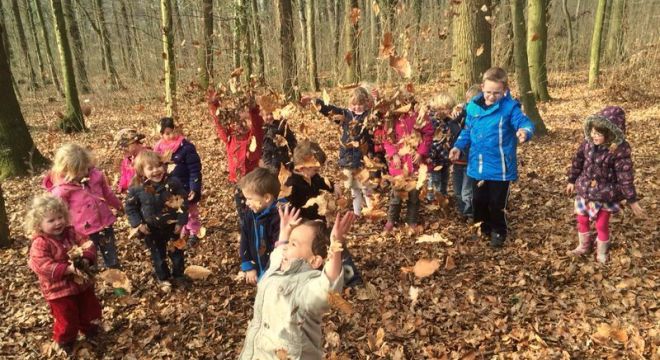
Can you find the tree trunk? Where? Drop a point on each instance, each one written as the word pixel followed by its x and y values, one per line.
pixel 335 45
pixel 168 57
pixel 32 80
pixel 287 56
pixel 205 55
pixel 5 239
pixel 351 44
pixel 76 40
pixel 569 31
pixel 471 45
pixel 132 54
pixel 614 47
pixel 374 36
pixel 73 119
pixel 312 74
pixel 4 41
pixel 122 44
pixel 537 44
pixel 246 38
pixel 236 35
pixel 49 52
pixel 33 31
pixel 258 41
pixel 303 30
pixel 18 155
pixel 137 43
pixel 594 61
pixel 107 49
pixel 522 68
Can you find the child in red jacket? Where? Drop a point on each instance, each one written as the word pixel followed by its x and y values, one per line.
pixel 68 290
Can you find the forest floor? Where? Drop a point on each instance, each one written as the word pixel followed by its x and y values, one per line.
pixel 528 300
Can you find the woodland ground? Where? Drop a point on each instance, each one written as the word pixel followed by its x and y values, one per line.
pixel 528 300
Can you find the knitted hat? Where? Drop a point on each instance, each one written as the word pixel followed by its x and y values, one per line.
pixel 126 137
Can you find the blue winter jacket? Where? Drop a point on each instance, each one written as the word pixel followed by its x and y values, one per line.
pixel 259 234
pixel 490 134
pixel 188 168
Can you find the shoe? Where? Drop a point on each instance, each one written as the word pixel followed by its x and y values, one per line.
pixel 181 282
pixel 193 240
pixel 496 240
pixel 389 226
pixel 68 348
pixel 584 245
pixel 165 286
pixel 601 251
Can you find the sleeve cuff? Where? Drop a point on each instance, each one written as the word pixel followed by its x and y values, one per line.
pixel 247 266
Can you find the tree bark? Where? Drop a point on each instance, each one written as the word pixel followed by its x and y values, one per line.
pixel 107 49
pixel 5 239
pixel 471 45
pixel 246 38
pixel 312 74
pixel 614 46
pixel 303 31
pixel 205 56
pixel 73 119
pixel 287 56
pixel 33 31
pixel 137 43
pixel 258 41
pixel 351 44
pixel 537 44
pixel 18 154
pixel 122 44
pixel 594 61
pixel 168 57
pixel 335 45
pixel 132 54
pixel 236 35
pixel 569 32
pixel 4 41
pixel 522 68
pixel 76 40
pixel 32 76
pixel 49 52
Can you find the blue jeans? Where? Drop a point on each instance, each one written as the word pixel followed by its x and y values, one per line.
pixel 104 241
pixel 157 243
pixel 463 189
pixel 437 183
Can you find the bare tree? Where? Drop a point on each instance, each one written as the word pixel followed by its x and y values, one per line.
pixel 107 49
pixel 594 60
pixel 287 57
pixel 32 80
pixel 537 44
pixel 312 74
pixel 76 40
pixel 205 55
pixel 168 57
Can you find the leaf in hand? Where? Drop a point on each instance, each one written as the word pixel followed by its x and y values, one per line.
pixel 174 202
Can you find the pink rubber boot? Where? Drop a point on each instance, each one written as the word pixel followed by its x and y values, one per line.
pixel 601 251
pixel 584 245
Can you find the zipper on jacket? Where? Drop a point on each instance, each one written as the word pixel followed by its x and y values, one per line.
pixel 481 163
pixel 501 135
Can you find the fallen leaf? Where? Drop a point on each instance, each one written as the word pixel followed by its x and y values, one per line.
pixel 401 66
pixel 337 302
pixel 425 267
pixel 197 272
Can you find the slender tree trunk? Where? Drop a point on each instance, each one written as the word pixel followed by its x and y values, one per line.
pixel 522 68
pixel 312 74
pixel 107 49
pixel 246 38
pixel 258 41
pixel 40 60
pixel 76 40
pixel 49 52
pixel 594 62
pixel 32 80
pixel 122 44
pixel 471 45
pixel 614 47
pixel 537 43
pixel 168 57
pixel 137 43
pixel 287 57
pixel 73 119
pixel 303 30
pixel 18 155
pixel 236 34
pixel 205 55
pixel 569 32
pixel 4 41
pixel 335 45
pixel 351 44
pixel 5 239
pixel 130 50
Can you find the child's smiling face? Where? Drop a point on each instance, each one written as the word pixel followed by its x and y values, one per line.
pixel 493 91
pixel 597 137
pixel 53 224
pixel 154 172
pixel 299 246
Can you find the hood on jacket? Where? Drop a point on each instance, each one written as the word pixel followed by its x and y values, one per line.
pixel 613 124
pixel 615 115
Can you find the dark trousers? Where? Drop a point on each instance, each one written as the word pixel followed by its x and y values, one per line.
pixel 352 276
pixel 488 203
pixel 104 241
pixel 241 206
pixel 157 244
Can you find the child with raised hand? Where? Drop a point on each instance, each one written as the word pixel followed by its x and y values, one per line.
pixel 68 291
pixel 157 209
pixel 356 141
pixel 180 152
pixel 74 179
pixel 445 131
pixel 130 142
pixel 261 224
pixel 279 142
pixel 493 127
pixel 292 295
pixel 404 131
pixel 601 175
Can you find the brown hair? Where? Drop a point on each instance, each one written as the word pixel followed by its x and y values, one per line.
pixel 472 91
pixel 360 96
pixel 496 74
pixel 602 127
pixel 260 181
pixel 321 240
pixel 146 157
pixel 307 149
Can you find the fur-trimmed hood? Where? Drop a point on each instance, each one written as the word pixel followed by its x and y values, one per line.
pixel 612 118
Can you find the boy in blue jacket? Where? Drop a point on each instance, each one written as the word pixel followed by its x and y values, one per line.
pixel 261 225
pixel 494 121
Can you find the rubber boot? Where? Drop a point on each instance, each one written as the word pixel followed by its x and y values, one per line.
pixel 601 251
pixel 584 245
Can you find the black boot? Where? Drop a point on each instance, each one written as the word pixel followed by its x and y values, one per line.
pixel 497 240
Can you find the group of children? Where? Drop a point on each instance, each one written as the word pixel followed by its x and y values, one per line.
pixel 284 242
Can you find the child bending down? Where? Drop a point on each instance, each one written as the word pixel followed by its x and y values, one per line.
pixel 70 294
pixel 292 296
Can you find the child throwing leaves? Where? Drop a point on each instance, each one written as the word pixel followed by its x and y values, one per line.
pixel 157 209
pixel 74 179
pixel 180 152
pixel 292 296
pixel 445 131
pixel 279 142
pixel 130 142
pixel 62 278
pixel 601 175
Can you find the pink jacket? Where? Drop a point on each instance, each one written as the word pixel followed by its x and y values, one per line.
pixel 89 203
pixel 403 127
pixel 49 260
pixel 126 173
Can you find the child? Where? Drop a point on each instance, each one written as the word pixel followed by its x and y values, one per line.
pixel 463 184
pixel 355 142
pixel 404 130
pixel 130 142
pixel 293 294
pixel 445 130
pixel 157 208
pixel 279 142
pixel 69 293
pixel 84 189
pixel 261 225
pixel 602 176
pixel 494 121
pixel 176 149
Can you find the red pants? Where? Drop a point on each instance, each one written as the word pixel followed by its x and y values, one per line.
pixel 75 313
pixel 602 225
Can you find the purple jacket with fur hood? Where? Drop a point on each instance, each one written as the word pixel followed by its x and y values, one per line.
pixel 604 172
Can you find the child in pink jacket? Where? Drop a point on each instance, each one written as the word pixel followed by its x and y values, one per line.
pixel 84 189
pixel 406 146
pixel 130 141
pixel 69 292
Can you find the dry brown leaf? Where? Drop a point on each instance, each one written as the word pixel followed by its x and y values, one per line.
pixel 337 302
pixel 355 16
pixel 480 50
pixel 174 202
pixel 117 279
pixel 425 267
pixel 253 144
pixel 449 263
pixel 401 66
pixel 197 272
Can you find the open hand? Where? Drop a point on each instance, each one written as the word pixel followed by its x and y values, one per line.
pixel 251 277
pixel 454 154
pixel 289 217
pixel 570 188
pixel 342 226
pixel 416 158
pixel 143 228
pixel 522 135
pixel 636 209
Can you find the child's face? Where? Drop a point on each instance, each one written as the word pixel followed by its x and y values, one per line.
pixel 133 148
pixel 442 112
pixel 168 134
pixel 597 137
pixel 299 246
pixel 309 171
pixel 53 224
pixel 357 107
pixel 154 172
pixel 257 202
pixel 267 116
pixel 493 91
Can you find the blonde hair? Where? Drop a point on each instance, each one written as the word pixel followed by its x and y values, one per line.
pixel 71 161
pixel 146 157
pixel 472 91
pixel 496 74
pixel 443 101
pixel 41 206
pixel 360 96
